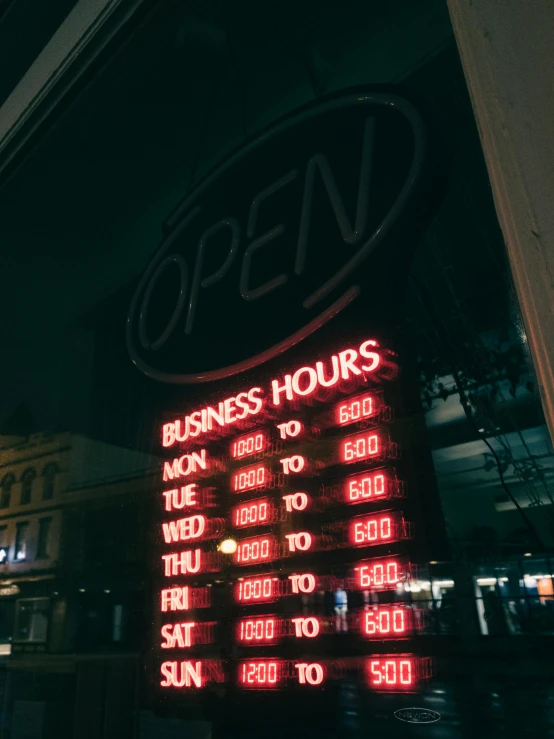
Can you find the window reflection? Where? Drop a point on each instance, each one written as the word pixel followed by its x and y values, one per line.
pixel 21 541
pixel 49 479
pixel 31 619
pixel 27 479
pixel 5 495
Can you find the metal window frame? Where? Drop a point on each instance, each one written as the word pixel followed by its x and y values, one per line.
pixel 80 43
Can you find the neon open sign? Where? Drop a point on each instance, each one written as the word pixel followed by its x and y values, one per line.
pixel 217 250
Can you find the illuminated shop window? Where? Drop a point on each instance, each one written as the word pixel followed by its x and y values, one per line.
pixel 27 479
pixel 31 619
pixel 4 545
pixel 117 623
pixel 21 541
pixel 341 610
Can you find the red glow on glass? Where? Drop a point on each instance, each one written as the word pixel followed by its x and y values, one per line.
pixel 374 529
pixel 366 486
pixel 360 446
pixel 356 409
pixel 256 549
pixel 391 673
pixel 256 589
pixel 253 513
pixel 244 446
pixel 378 574
pixel 249 478
pixel 257 630
pixel 263 673
pixel 385 621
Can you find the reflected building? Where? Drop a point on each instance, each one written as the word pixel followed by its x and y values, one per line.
pixel 72 577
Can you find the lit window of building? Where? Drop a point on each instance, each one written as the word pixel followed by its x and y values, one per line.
pixel 21 541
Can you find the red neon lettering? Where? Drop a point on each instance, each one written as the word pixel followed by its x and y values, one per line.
pixel 310 383
pixel 249 478
pixel 391 672
pixel 302 583
pixel 256 549
pixel 185 465
pixel 248 444
pixel 180 497
pixel 168 434
pixel 177 635
pixel 384 622
pixel 258 403
pixel 290 428
pixel 175 599
pixel 255 630
pixel 293 464
pixel 301 541
pixel 306 379
pixel 360 446
pixel 373 529
pixel 323 381
pixel 277 390
pixel 306 627
pixel 365 486
pixel 260 674
pixel 373 357
pixel 256 589
pixel 182 563
pixel 383 574
pixel 309 673
pixel 181 674
pixel 296 501
pixel 186 528
pixel 346 360
pixel 355 409
pixel 252 513
pixel 230 409
pixel 227 412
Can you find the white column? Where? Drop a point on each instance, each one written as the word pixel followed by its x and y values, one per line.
pixel 507 52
